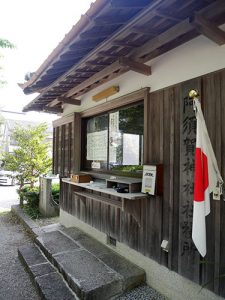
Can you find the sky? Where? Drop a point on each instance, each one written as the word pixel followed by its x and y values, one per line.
pixel 36 28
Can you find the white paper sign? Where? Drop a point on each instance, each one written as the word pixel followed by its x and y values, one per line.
pixel 114 136
pixel 97 145
pixel 114 121
pixel 148 181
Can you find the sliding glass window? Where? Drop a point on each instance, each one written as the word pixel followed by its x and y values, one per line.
pixel 114 140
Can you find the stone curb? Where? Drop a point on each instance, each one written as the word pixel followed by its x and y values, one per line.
pixel 30 225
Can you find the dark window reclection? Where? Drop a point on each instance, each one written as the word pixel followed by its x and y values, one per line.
pixel 114 140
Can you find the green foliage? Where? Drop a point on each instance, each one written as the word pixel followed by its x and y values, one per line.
pixel 55 192
pixel 30 159
pixel 33 212
pixel 128 168
pixel 6 44
pixel 31 196
pixel 131 120
pixel 129 171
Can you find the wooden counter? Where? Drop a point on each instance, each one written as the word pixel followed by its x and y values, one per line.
pixel 102 187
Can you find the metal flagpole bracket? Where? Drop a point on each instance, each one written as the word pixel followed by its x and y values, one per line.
pixel 194 95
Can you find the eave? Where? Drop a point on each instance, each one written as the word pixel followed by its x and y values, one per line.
pixel 131 46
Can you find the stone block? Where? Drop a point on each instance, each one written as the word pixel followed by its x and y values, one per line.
pixel 55 242
pixel 42 269
pixel 89 277
pixel 52 287
pixel 31 255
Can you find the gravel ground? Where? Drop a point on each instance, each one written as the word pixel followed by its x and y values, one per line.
pixel 142 292
pixel 15 283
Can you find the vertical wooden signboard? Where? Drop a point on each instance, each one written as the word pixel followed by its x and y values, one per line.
pixel 188 264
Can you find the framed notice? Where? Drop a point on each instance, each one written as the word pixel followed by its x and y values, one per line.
pixel 149 180
pixel 97 145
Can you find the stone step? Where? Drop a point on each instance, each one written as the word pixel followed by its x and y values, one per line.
pixel 91 269
pixel 50 284
pixel 131 274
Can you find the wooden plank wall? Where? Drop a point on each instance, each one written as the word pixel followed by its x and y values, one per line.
pixel 162 216
pixel 66 142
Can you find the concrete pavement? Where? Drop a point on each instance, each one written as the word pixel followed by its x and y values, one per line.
pixel 8 197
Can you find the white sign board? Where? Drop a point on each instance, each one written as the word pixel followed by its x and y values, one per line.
pixel 149 179
pixel 97 145
pixel 113 136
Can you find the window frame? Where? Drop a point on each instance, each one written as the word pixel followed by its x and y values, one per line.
pixel 135 98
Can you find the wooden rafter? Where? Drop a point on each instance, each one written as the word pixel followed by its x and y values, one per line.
pixel 168 16
pixel 108 54
pixel 84 71
pixel 125 44
pixel 70 56
pixel 53 109
pixel 94 35
pixel 52 73
pixel 100 82
pixel 97 77
pixel 209 29
pixel 128 4
pixel 78 46
pixel 143 30
pixel 52 94
pixel 61 64
pixel 71 101
pixel 124 64
pixel 78 77
pixel 53 103
pixel 213 9
pixel 93 63
pixel 165 37
pixel 110 20
pixel 135 66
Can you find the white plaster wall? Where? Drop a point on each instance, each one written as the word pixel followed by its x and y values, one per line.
pixel 168 283
pixel 195 58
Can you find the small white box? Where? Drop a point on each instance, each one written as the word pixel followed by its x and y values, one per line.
pixel 149 179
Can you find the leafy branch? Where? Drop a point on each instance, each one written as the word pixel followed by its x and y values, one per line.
pixel 6 44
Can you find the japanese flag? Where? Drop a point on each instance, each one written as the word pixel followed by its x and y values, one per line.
pixel 206 178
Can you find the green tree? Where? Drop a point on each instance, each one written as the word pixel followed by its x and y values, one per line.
pixel 4 44
pixel 30 159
